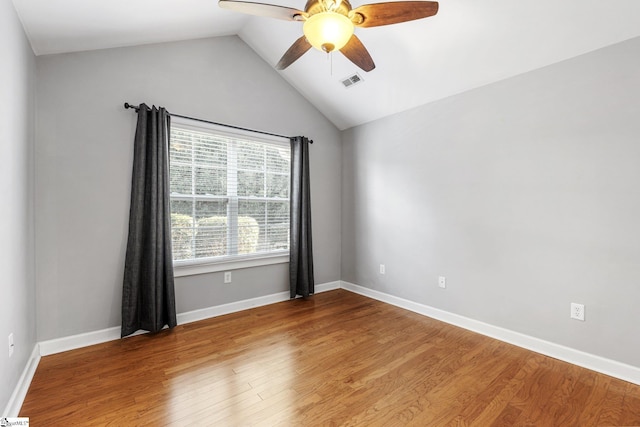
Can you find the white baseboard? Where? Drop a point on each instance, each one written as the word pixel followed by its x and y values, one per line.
pixel 20 392
pixel 73 342
pixel 586 360
pixel 329 286
pixel 219 310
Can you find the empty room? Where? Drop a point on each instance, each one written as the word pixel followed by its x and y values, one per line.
pixel 232 213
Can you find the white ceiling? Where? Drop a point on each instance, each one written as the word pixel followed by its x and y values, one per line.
pixel 469 43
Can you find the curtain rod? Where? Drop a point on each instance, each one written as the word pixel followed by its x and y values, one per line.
pixel 137 108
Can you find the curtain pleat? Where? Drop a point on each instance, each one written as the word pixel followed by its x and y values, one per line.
pixel 301 280
pixel 148 295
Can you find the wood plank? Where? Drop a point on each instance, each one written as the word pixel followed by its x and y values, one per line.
pixel 334 359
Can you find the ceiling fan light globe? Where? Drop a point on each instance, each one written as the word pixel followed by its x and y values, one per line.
pixel 328 30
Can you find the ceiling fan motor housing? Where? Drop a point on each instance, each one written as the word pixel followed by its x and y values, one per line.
pixel 316 6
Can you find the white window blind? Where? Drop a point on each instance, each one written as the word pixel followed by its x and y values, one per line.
pixel 229 194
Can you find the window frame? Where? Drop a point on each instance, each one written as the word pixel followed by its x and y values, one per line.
pixel 229 262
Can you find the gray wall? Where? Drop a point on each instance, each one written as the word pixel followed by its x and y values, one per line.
pixel 17 291
pixel 524 194
pixel 84 156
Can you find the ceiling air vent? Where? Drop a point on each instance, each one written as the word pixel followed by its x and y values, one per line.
pixel 352 80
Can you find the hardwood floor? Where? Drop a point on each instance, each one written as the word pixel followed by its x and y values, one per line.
pixel 337 359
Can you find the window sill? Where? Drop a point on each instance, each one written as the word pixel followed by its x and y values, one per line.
pixel 181 269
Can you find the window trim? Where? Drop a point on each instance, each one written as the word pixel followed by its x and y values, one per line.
pixel 182 268
pixel 210 265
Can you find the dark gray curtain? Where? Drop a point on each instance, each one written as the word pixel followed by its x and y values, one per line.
pixel 148 298
pixel 301 250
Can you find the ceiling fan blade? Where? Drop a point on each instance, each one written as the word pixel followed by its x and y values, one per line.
pixel 263 9
pixel 297 49
pixel 377 14
pixel 355 51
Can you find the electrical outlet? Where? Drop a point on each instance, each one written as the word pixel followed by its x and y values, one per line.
pixel 577 311
pixel 227 277
pixel 11 345
pixel 442 281
pixel 382 269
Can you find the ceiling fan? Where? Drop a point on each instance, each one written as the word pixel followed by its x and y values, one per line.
pixel 329 24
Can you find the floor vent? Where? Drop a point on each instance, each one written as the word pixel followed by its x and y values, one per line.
pixel 352 80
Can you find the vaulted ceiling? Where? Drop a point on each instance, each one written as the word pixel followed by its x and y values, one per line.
pixel 469 43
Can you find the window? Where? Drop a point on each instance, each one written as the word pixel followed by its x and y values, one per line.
pixel 229 194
